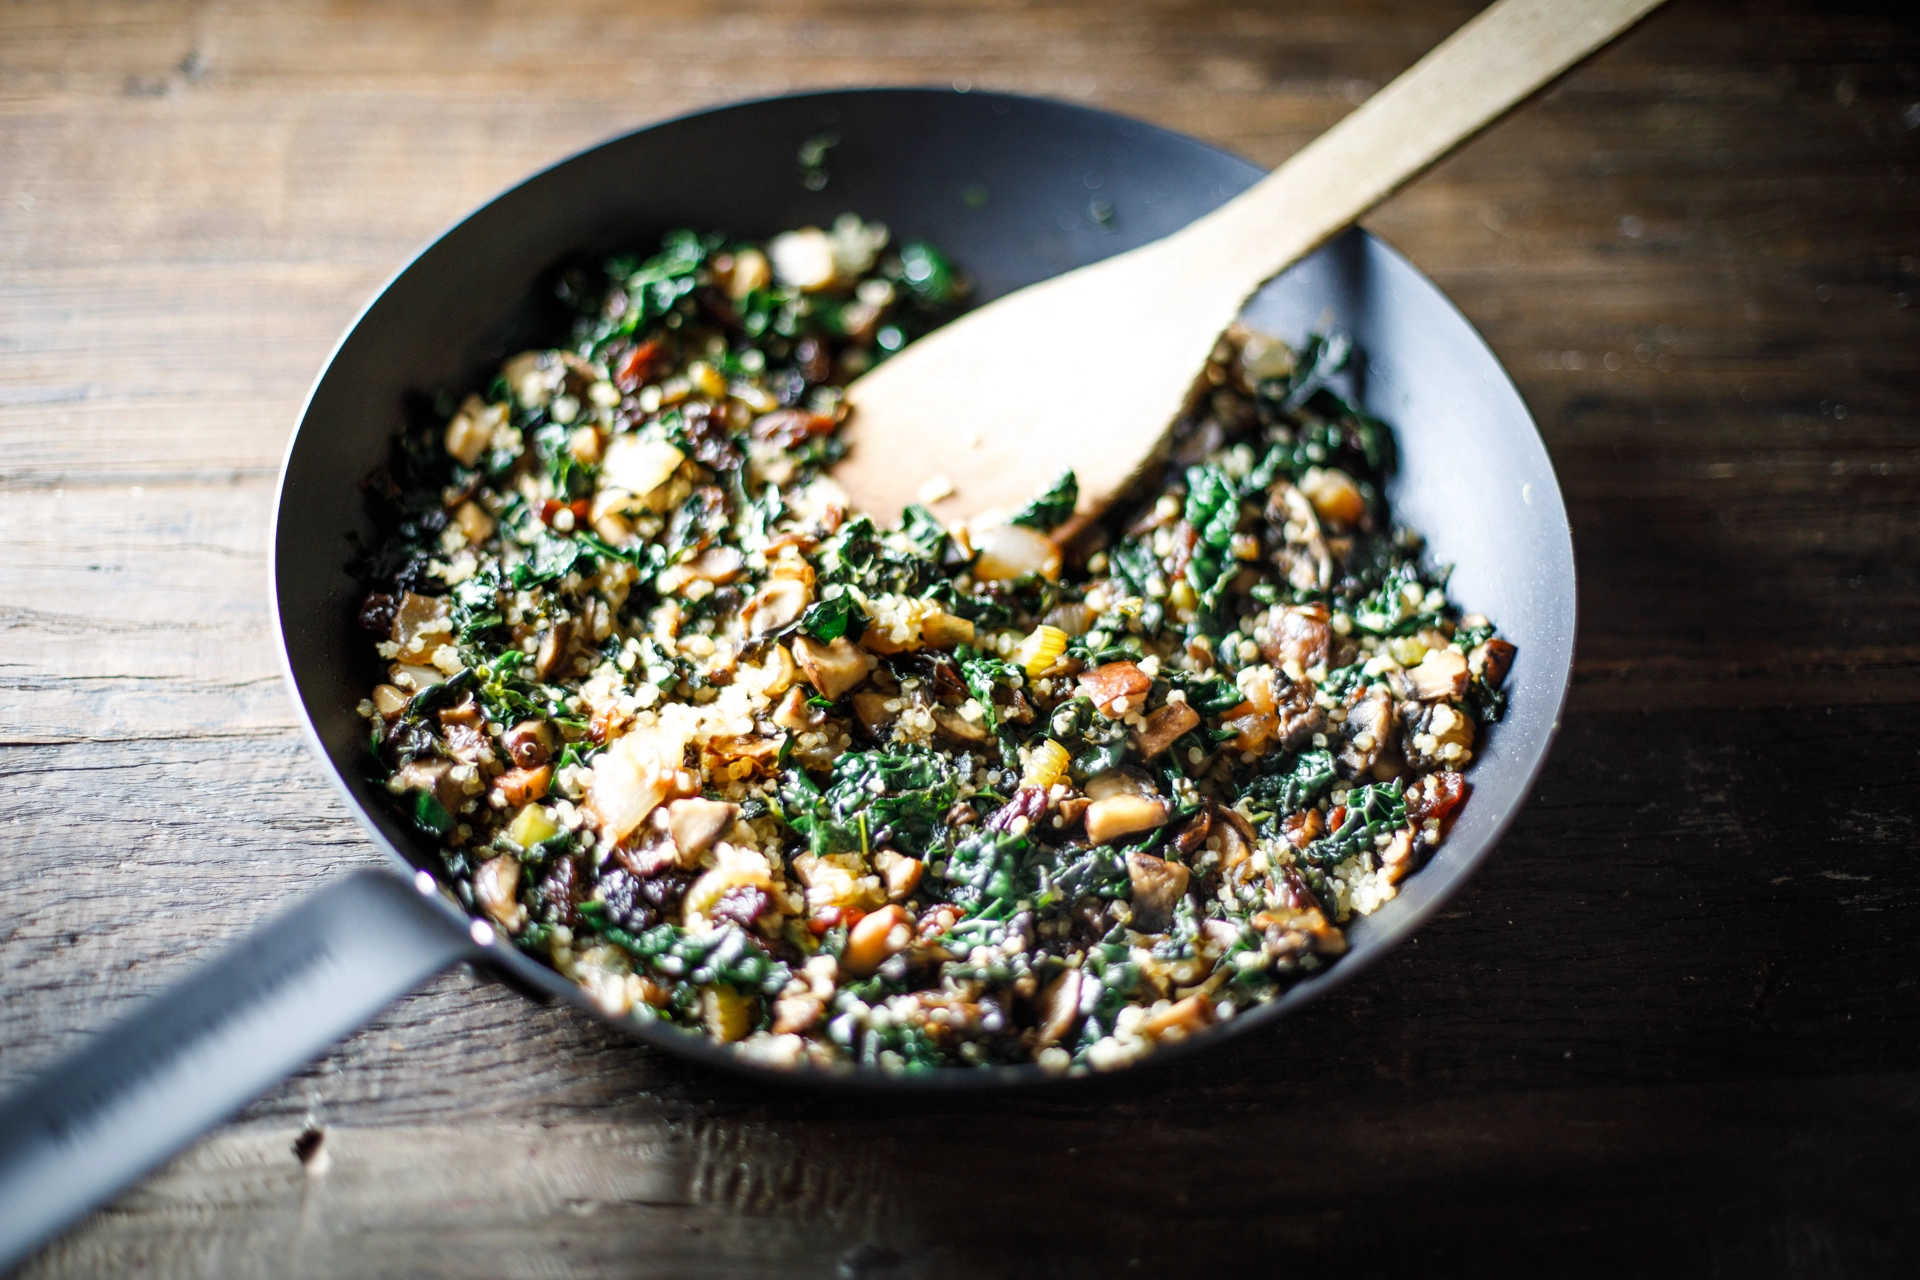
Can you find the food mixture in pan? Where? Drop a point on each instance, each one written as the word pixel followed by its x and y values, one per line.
pixel 733 757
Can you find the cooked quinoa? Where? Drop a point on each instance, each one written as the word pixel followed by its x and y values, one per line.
pixel 1033 789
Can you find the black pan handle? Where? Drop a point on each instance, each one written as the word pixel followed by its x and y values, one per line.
pixel 135 1093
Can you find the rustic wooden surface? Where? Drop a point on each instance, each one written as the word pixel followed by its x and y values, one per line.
pixel 1674 1026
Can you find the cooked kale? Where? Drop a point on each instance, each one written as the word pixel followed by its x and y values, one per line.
pixel 738 759
pixel 1053 507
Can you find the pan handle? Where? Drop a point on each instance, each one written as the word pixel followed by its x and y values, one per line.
pixel 93 1122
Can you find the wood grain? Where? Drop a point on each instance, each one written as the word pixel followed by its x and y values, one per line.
pixel 1673 1028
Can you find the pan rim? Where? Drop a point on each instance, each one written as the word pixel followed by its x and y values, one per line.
pixel 545 984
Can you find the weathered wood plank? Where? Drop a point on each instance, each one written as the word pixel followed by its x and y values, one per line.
pixel 819 1197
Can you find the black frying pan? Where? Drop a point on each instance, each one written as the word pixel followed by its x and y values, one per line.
pixel 1016 190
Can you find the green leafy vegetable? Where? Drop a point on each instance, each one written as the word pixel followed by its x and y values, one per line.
pixel 1052 508
pixel 985 867
pixel 1372 811
pixel 1296 784
pixel 1213 510
pixel 828 620
pixel 904 794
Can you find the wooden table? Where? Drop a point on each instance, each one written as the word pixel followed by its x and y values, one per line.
pixel 1674 1026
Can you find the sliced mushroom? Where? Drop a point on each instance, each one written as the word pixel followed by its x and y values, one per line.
pixel 879 935
pixel 957 727
pixel 1294 931
pixel 1124 814
pixel 796 712
pixel 1236 837
pixel 1116 687
pixel 1059 1008
pixel 942 630
pixel 1441 674
pixel 1491 661
pixel 553 649
pixel 531 742
pixel 1334 495
pixel 833 669
pixel 495 882
pixel 1299 717
pixel 420 625
pixel 1192 836
pixel 1369 726
pixel 1304 556
pixel 1179 1019
pixel 870 709
pixel 697 823
pixel 520 786
pixel 435 776
pixel 738 756
pixel 1164 727
pixel 1300 634
pixel 900 873
pixel 778 605
pixel 1158 885
pixel 718 565
pixel 1303 828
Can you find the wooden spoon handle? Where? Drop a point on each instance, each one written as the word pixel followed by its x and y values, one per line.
pixel 1508 51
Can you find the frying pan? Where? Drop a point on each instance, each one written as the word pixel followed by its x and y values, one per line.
pixel 1015 189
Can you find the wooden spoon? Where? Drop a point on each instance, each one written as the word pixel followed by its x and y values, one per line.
pixel 1089 369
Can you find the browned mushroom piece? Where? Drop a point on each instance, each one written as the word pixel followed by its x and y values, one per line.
pixel 1193 834
pixel 1178 1020
pixel 1059 1008
pixel 900 873
pixel 1116 687
pixel 1163 727
pixel 416 618
pixel 435 776
pixel 1437 733
pixel 1299 717
pixel 954 726
pixel 1303 828
pixel 652 853
pixel 739 755
pixel 1304 556
pixel 554 647
pixel 1441 674
pixel 531 742
pixel 697 823
pixel 1123 805
pixel 521 785
pixel 1367 731
pixel 466 711
pixel 833 669
pixel 870 709
pixel 495 883
pixel 796 712
pixel 1491 661
pixel 1158 886
pixel 1298 633
pixel 468 744
pixel 778 605
pixel 1299 931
